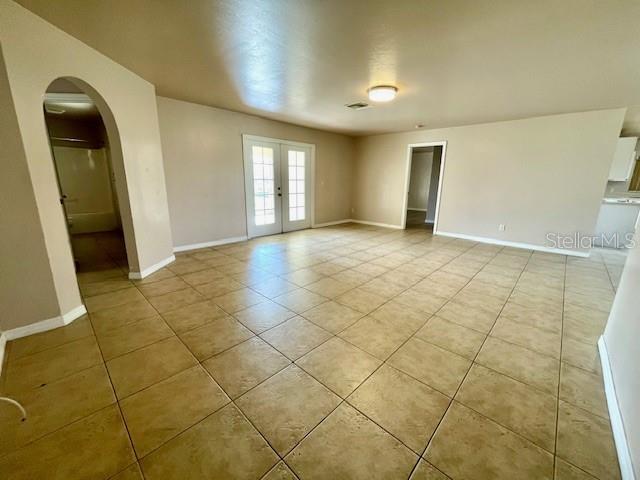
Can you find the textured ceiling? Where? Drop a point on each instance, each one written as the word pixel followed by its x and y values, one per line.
pixel 456 62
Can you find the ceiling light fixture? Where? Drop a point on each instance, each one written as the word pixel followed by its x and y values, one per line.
pixel 382 93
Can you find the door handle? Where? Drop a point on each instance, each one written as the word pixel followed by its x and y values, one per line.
pixel 279 194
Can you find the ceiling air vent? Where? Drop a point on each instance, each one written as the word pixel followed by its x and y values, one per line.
pixel 358 105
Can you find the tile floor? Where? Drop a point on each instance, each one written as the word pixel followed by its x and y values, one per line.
pixel 344 352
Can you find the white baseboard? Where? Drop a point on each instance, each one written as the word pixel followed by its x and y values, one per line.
pixel 213 243
pixel 417 209
pixel 153 268
pixel 615 416
pixel 377 224
pixel 328 224
pixel 44 325
pixel 505 243
pixel 3 343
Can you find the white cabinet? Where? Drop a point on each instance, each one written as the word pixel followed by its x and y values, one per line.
pixel 623 160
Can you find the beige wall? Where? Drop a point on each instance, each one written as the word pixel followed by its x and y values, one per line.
pixel 621 337
pixel 26 287
pixel 35 54
pixel 538 175
pixel 202 150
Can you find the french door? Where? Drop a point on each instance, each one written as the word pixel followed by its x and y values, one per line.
pixel 277 186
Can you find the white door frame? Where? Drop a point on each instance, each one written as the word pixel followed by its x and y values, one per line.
pixel 312 191
pixel 405 202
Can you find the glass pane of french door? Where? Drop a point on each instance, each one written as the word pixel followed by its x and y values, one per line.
pixel 296 162
pixel 262 185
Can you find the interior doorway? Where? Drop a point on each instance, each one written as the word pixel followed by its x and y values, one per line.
pixel 86 181
pixel 425 167
pixel 278 185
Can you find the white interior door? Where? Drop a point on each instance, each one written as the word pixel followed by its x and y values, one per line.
pixel 262 187
pixel 296 186
pixel 278 185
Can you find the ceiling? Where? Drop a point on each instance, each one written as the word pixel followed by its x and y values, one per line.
pixel 455 62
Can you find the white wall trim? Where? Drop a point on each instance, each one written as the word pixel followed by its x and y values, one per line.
pixel 213 243
pixel 378 224
pixel 505 243
pixel 615 416
pixel 45 325
pixel 407 180
pixel 3 343
pixel 328 224
pixel 153 268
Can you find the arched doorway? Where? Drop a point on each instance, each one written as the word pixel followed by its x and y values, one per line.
pixel 86 151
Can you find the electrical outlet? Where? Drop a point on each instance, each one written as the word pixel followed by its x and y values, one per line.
pixel 502 227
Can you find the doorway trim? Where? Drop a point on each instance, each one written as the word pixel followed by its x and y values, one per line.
pixel 407 180
pixel 312 193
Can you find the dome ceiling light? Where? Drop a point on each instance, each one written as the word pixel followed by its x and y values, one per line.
pixel 382 93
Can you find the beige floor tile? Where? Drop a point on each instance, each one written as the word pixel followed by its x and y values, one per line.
pixel 100 275
pixel 192 316
pixel 452 337
pixel 160 412
pixel 79 328
pixel 382 288
pixel 112 299
pixel 280 472
pixel 295 337
pixel 174 300
pixel 132 472
pixel 329 287
pixel 541 341
pixel 105 286
pixel 586 441
pixel 536 302
pixel 328 268
pixel 252 276
pixel 244 366
pixel 512 404
pixel 361 300
pixel 139 369
pixel 474 318
pixel 491 289
pixel 54 406
pixel 598 302
pixel 468 445
pixel 223 445
pixel 95 447
pixel 349 445
pixel 376 336
pixel 299 300
pixel 339 365
pixel 370 269
pixel 187 265
pixel 239 300
pixel 432 365
pixel 352 278
pixel 303 277
pixel 566 471
pixel 263 316
pixel 215 337
pixel 426 471
pixel 406 408
pixel 273 287
pixel 44 367
pixel 133 336
pixel 529 367
pixel 287 406
pixel 533 317
pixel 583 389
pixel 402 316
pixel 580 354
pixel 332 316
pixel 203 276
pixel 119 316
pixel 429 286
pixel 163 286
pixel 219 286
pixel 583 329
